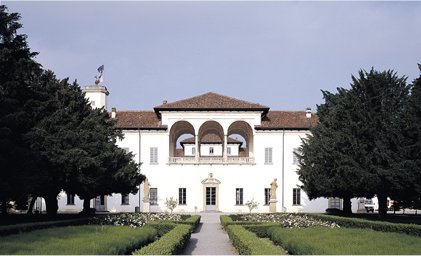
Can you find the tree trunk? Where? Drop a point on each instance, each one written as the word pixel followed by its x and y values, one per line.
pixel 4 207
pixel 382 199
pixel 31 205
pixel 347 209
pixel 51 205
pixel 86 205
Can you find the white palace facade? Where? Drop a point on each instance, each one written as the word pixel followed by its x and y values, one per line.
pixel 210 153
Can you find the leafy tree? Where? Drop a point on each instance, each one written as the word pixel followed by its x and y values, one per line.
pixel 251 204
pixel 171 203
pixel 326 158
pixel 18 71
pixel 354 151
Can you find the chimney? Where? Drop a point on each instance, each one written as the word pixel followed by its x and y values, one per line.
pixel 113 113
pixel 164 102
pixel 308 112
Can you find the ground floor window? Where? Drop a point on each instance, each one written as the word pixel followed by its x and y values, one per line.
pixel 124 199
pixel 153 196
pixel 70 199
pixel 296 196
pixel 335 202
pixel 182 196
pixel 239 196
pixel 267 196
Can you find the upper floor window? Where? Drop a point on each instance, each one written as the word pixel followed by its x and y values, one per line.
pixel 154 155
pixel 211 151
pixel 228 151
pixel 153 196
pixel 71 199
pixel 125 199
pixel 268 155
pixel 296 196
pixel 193 151
pixel 126 149
pixel 294 156
pixel 93 103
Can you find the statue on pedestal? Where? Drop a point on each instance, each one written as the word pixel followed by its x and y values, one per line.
pixel 146 188
pixel 273 187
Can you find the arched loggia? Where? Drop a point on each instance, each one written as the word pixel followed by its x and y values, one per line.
pixel 178 130
pixel 244 130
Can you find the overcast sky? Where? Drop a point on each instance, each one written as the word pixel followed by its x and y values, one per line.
pixel 279 54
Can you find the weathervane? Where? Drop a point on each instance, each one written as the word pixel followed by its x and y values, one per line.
pixel 99 78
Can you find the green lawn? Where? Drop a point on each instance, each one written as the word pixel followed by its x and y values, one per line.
pixel 78 240
pixel 320 240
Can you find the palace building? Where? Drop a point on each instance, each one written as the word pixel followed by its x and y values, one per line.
pixel 210 153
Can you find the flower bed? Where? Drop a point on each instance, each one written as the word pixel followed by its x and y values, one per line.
pixel 134 219
pixel 285 220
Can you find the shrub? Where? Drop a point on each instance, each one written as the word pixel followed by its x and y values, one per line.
pixel 410 229
pixel 228 220
pixel 252 204
pixel 172 242
pixel 133 219
pixel 193 221
pixel 161 227
pixel 25 227
pixel 248 243
pixel 171 203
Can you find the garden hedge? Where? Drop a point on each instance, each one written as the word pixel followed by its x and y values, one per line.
pixel 170 243
pixel 246 242
pixel 410 229
pixel 25 227
pixel 227 220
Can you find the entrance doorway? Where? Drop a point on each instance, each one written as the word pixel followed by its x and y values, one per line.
pixel 210 193
pixel 210 199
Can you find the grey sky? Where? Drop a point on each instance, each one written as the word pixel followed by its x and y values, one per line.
pixel 280 54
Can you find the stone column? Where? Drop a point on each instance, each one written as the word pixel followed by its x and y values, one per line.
pixel 225 147
pixel 196 144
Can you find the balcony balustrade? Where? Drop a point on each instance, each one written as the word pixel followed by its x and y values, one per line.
pixel 211 160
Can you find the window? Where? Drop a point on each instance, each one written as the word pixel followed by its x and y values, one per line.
pixel 296 196
pixel 126 149
pixel 125 199
pixel 193 151
pixel 294 156
pixel 211 151
pixel 182 196
pixel 239 196
pixel 335 202
pixel 268 155
pixel 154 156
pixel 228 151
pixel 70 199
pixel 267 196
pixel 153 193
pixel 93 103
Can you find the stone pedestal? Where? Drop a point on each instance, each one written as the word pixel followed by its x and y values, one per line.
pixel 146 207
pixel 272 205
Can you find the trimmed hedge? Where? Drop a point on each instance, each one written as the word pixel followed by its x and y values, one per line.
pixel 410 229
pixel 246 242
pixel 261 230
pixel 193 221
pixel 172 242
pixel 227 220
pixel 161 227
pixel 25 227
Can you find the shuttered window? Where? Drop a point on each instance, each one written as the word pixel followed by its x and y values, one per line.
pixel 268 155
pixel 154 155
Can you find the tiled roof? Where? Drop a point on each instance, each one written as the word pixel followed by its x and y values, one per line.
pixel 287 120
pixel 209 138
pixel 138 120
pixel 272 121
pixel 211 101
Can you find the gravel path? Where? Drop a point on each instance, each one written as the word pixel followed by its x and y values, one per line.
pixel 209 238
